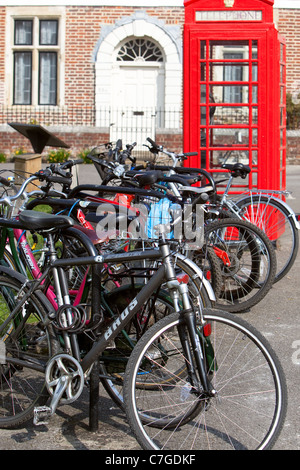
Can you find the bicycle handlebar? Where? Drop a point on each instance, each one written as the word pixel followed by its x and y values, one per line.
pixel 4 181
pixel 53 174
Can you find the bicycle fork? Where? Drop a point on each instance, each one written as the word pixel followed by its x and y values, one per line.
pixel 189 337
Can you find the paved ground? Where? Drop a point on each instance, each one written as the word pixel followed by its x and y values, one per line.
pixel 276 317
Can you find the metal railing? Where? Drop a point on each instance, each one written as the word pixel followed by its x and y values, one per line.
pixel 73 115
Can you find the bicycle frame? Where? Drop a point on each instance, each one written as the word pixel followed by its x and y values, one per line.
pixel 163 274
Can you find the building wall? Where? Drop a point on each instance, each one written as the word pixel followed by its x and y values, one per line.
pixel 288 21
pixel 83 28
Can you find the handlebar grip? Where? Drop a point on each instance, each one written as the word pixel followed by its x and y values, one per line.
pixel 77 162
pixel 59 179
pixel 154 144
pixel 71 163
pixel 4 181
pixel 119 144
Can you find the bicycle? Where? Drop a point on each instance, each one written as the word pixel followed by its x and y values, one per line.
pixel 63 375
pixel 112 365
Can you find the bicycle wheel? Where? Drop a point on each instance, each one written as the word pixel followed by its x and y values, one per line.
pixel 27 342
pixel 248 409
pixel 248 262
pixel 270 215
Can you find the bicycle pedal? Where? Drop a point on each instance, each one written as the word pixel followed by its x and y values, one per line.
pixel 41 415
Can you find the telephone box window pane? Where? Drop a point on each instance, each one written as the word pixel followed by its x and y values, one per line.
pixel 281 157
pixel 254 115
pixel 22 77
pixel 202 72
pixel 48 78
pixel 230 115
pixel 229 72
pixel 282 115
pixel 48 32
pixel 254 73
pixel 220 137
pixel 254 157
pixel 218 49
pixel 23 32
pixel 202 50
pixel 254 137
pixel 203 94
pixel 254 94
pixel 218 158
pixel 235 156
pixel 282 70
pixel 254 177
pixel 254 49
pixel 230 93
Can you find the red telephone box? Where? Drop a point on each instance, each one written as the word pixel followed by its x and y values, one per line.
pixel 234 89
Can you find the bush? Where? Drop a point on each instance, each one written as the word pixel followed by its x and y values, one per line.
pixel 20 151
pixel 2 157
pixel 83 155
pixel 58 156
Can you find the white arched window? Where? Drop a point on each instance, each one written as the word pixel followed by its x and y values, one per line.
pixel 140 50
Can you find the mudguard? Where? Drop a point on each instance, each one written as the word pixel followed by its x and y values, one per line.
pixel 199 274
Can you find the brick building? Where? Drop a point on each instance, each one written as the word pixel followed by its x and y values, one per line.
pixel 90 72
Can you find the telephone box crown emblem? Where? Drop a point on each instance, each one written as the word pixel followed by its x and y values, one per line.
pixel 229 3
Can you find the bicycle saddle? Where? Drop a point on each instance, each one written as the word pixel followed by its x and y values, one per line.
pixel 148 177
pixel 153 176
pixel 237 169
pixel 34 220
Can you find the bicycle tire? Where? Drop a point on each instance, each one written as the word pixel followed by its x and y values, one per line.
pixel 252 263
pixel 244 371
pixel 34 341
pixel 9 260
pixel 278 225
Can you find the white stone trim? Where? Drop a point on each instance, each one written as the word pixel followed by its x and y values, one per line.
pixel 139 25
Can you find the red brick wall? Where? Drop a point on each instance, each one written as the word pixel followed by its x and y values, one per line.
pixel 289 26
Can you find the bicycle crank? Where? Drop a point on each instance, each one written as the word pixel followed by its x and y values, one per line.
pixel 64 381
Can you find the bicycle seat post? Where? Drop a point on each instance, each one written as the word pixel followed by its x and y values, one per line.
pixel 225 194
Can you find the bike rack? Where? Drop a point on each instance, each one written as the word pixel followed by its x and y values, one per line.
pixel 94 398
